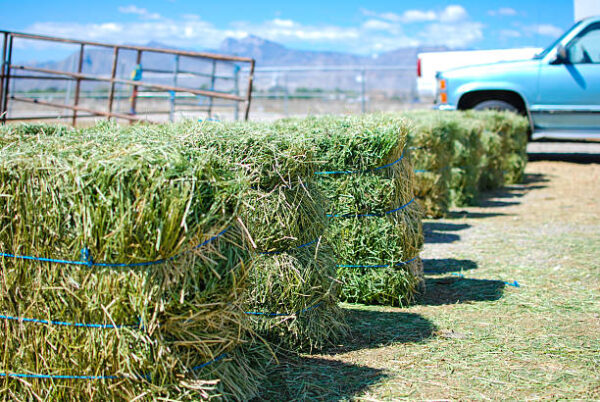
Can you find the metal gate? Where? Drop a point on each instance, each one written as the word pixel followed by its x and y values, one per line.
pixel 12 73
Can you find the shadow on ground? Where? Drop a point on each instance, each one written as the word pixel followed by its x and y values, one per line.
pixel 373 328
pixel 455 289
pixel 318 378
pixel 572 157
pixel 506 196
pixel 437 232
pixel 311 378
pixel 440 266
pixel 473 215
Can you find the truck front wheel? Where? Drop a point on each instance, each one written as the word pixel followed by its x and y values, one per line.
pixel 495 105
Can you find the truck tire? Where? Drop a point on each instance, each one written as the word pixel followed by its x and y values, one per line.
pixel 495 105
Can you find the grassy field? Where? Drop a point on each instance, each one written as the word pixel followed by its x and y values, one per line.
pixel 472 335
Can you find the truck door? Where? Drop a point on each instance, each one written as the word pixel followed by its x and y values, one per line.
pixel 569 90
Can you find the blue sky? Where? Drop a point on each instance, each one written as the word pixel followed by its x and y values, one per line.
pixel 364 27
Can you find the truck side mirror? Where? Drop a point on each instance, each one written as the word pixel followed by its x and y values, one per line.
pixel 562 56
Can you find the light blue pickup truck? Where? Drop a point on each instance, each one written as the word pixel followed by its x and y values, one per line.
pixel 558 90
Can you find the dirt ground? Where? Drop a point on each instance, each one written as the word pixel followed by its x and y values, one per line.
pixel 474 334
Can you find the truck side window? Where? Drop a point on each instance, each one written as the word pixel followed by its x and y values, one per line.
pixel 585 49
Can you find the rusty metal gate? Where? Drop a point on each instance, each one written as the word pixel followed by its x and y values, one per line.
pixel 12 73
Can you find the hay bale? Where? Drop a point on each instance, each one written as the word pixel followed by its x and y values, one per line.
pixel 432 139
pixel 504 140
pixel 458 154
pixel 128 200
pixel 367 246
pixel 293 293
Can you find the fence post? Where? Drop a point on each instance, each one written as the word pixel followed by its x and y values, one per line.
pixel 2 72
pixel 78 84
pixel 363 99
pixel 7 62
pixel 113 73
pixel 236 91
pixel 173 94
pixel 249 94
pixel 286 96
pixel 212 87
pixel 135 87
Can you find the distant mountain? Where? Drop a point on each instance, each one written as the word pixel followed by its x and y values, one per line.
pixel 266 53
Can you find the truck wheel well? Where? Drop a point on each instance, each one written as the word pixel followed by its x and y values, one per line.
pixel 470 99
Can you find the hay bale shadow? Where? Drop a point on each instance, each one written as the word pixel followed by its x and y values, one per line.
pixel 572 157
pixel 300 378
pixel 474 215
pixel 324 378
pixel 535 178
pixel 440 266
pixel 453 290
pixel 437 232
pixel 374 328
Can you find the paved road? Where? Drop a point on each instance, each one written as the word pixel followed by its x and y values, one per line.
pixel 579 152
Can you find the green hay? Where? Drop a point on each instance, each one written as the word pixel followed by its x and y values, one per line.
pixel 505 142
pixel 290 280
pixel 458 154
pixel 280 211
pixel 466 163
pixel 432 139
pixel 360 144
pixel 128 199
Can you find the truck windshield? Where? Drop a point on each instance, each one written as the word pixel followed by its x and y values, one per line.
pixel 549 48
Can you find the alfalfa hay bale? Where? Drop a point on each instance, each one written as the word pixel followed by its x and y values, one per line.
pixel 293 293
pixel 166 320
pixel 375 228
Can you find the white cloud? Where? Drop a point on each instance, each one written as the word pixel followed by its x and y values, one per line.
pixel 184 33
pixel 142 12
pixel 289 30
pixel 458 35
pixel 545 29
pixel 283 23
pixel 418 16
pixel 377 25
pixel 451 13
pixel 510 33
pixel 503 11
pixel 449 26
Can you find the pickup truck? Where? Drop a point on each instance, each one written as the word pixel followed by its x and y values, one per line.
pixel 558 90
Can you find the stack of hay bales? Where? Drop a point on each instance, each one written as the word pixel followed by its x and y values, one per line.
pixel 458 154
pixel 432 139
pixel 153 306
pixel 468 152
pixel 293 295
pixel 504 137
pixel 375 227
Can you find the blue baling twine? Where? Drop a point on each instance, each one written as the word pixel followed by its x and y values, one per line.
pixel 68 324
pixel 89 262
pixel 98 377
pixel 361 171
pixel 399 264
pixel 300 246
pixel 61 377
pixel 283 314
pixel 216 359
pixel 368 215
